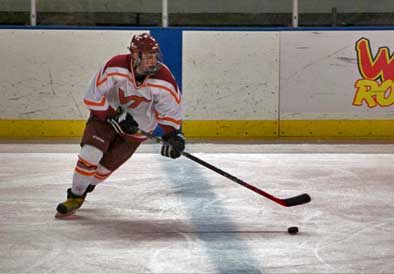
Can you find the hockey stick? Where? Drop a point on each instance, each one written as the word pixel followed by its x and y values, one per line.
pixel 293 201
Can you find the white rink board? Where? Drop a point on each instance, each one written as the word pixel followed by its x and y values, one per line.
pixel 230 75
pixel 48 71
pixel 227 75
pixel 319 70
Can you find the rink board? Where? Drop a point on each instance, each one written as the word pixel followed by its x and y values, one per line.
pixel 236 83
pixel 47 78
pixel 327 129
pixel 336 83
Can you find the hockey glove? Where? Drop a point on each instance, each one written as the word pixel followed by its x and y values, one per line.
pixel 174 145
pixel 124 123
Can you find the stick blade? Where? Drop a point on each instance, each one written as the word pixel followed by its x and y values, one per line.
pixel 297 200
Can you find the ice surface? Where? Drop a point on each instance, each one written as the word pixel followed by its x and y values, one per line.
pixel 157 215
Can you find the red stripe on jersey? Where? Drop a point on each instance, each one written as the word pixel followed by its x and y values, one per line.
pixel 165 74
pixel 120 61
pixel 95 104
pixel 173 94
pixel 101 81
pixel 172 120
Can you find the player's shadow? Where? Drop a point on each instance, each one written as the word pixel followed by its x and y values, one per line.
pixel 228 252
pixel 94 225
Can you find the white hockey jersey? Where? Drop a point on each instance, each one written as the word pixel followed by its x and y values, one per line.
pixel 155 101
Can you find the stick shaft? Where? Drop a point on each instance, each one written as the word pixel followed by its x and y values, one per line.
pixel 293 201
pixel 231 177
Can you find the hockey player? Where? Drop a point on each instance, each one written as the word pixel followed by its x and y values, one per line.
pixel 130 92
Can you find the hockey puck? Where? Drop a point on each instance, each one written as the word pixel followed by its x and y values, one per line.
pixel 292 230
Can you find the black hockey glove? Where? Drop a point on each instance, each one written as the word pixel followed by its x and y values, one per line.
pixel 124 123
pixel 174 146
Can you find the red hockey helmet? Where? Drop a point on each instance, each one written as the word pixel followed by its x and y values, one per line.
pixel 143 44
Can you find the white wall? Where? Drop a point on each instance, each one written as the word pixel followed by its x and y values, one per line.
pixel 231 75
pixel 45 72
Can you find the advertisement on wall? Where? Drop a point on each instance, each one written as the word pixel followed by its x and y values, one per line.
pixel 375 87
pixel 337 75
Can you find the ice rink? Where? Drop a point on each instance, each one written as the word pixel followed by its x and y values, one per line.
pixel 161 216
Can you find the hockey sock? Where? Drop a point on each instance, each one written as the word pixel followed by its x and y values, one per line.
pixel 102 173
pixel 85 168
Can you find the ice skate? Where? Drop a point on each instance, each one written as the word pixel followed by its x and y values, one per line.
pixel 88 190
pixel 71 205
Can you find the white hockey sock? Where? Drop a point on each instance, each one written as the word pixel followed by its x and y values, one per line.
pixel 101 175
pixel 86 168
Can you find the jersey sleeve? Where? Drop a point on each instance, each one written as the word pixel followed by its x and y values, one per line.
pixel 167 99
pixel 96 95
pixel 115 70
pixel 168 109
pixel 106 80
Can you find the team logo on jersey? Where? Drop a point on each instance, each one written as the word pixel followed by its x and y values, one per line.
pixel 131 101
pixel 377 72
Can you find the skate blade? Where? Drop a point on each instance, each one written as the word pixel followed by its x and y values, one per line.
pixel 69 215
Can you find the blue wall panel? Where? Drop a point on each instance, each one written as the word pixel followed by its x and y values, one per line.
pixel 170 41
